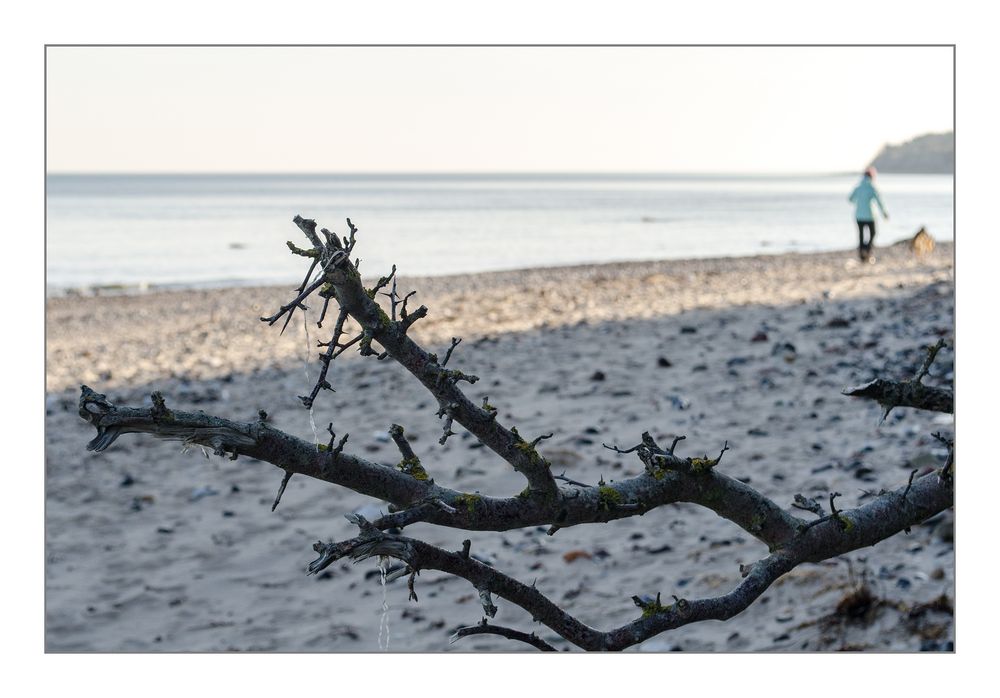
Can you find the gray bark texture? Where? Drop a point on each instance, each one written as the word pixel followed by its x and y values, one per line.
pixel 415 497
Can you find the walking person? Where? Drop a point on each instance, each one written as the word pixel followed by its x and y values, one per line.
pixel 862 197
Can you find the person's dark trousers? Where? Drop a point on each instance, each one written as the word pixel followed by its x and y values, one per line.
pixel 865 248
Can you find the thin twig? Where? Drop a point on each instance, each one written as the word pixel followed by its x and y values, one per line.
pixel 563 477
pixel 455 341
pixel 932 352
pixel 281 488
pixel 485 629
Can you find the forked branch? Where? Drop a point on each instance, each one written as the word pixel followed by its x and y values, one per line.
pixel 908 393
pixel 416 498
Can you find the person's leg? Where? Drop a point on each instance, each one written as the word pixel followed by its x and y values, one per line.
pixel 868 257
pixel 861 240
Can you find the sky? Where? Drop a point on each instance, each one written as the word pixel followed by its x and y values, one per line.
pixel 380 109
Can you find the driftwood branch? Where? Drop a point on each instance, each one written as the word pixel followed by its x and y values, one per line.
pixel 667 480
pixel 848 530
pixel 341 279
pixel 892 394
pixel 908 393
pixel 484 628
pixel 415 497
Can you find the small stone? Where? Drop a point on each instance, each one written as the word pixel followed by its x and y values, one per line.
pixel 598 376
pixel 865 473
pixel 663 362
pixel 574 555
pixel 688 329
pixel 785 350
pixel 202 492
pixel 677 402
pixel 761 336
pixel 138 503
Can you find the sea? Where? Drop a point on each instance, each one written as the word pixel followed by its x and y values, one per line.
pixel 136 232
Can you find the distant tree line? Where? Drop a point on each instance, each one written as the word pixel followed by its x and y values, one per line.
pixel 932 153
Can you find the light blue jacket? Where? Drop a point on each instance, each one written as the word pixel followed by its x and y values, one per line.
pixel 862 196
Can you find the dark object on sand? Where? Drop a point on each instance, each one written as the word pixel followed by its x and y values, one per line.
pixel 922 243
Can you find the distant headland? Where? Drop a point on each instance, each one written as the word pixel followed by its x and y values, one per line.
pixel 932 153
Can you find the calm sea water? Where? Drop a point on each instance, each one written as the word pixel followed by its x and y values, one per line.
pixel 217 230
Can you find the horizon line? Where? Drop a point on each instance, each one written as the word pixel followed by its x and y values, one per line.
pixel 458 173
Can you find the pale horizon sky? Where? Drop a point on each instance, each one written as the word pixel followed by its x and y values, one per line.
pixel 378 109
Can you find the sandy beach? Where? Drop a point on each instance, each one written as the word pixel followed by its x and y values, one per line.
pixel 150 549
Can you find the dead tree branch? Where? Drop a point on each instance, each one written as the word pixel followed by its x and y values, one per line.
pixel 484 628
pixel 416 498
pixel 848 530
pixel 668 480
pixel 908 393
pixel 341 278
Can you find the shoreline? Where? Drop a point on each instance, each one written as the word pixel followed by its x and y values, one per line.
pixel 112 289
pixel 124 339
